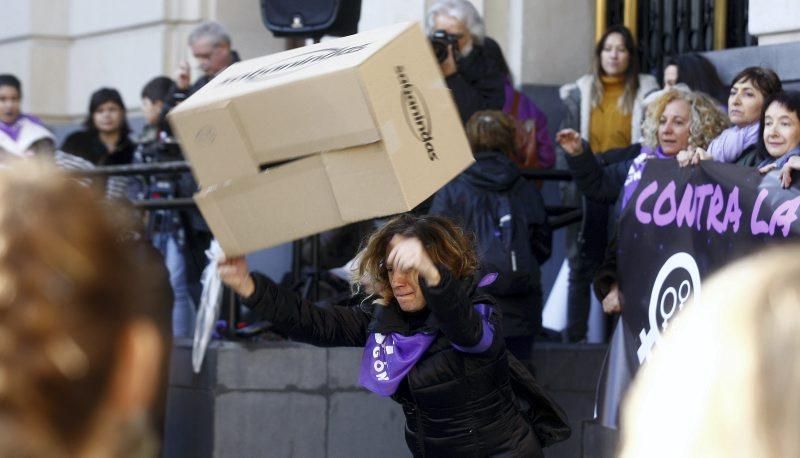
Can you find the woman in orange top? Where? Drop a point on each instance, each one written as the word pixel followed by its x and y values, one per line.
pixel 606 108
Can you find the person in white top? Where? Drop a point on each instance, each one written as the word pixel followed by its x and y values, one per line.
pixel 21 135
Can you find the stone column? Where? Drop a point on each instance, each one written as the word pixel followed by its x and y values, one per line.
pixel 63 51
pixel 774 21
pixel 546 42
pixel 34 46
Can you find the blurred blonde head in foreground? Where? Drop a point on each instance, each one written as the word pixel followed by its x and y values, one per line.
pixel 80 354
pixel 725 381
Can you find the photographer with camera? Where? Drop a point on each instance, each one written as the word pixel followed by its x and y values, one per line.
pixel 174 233
pixel 464 53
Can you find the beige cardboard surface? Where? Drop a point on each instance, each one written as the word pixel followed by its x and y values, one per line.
pixel 414 109
pixel 263 73
pixel 217 149
pixel 301 198
pixel 364 182
pixel 370 135
pixel 327 112
pixel 259 211
pixel 284 110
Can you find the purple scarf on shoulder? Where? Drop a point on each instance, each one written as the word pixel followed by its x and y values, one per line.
pixel 637 169
pixel 388 358
pixel 728 145
pixel 13 129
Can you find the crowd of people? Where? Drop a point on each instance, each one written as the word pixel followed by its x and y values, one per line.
pixel 606 108
pixel 106 139
pixel 448 298
pixel 617 120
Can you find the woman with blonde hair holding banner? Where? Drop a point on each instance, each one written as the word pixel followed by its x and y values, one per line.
pixel 675 121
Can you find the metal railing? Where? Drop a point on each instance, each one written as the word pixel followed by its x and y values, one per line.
pixel 558 216
pixel 665 28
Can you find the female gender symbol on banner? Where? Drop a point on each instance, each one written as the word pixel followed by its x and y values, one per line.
pixel 679 298
pixel 670 300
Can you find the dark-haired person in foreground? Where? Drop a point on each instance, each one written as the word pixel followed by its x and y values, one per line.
pixel 431 341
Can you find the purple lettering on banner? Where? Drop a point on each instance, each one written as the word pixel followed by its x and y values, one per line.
pixel 648 191
pixel 756 226
pixel 733 214
pixel 667 196
pixel 686 210
pixel 700 194
pixel 784 216
pixel 715 207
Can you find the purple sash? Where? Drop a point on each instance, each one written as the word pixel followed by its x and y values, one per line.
pixel 389 357
pixel 13 129
pixel 636 170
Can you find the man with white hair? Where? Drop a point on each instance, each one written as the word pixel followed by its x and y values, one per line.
pixel 210 43
pixel 471 66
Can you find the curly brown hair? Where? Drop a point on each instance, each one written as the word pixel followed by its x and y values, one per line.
pixel 69 286
pixel 444 241
pixel 706 121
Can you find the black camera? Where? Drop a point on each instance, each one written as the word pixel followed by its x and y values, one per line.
pixel 162 185
pixel 441 40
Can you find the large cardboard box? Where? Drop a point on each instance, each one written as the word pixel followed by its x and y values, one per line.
pixel 348 129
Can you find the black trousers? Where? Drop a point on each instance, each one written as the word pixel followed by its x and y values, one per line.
pixel 585 256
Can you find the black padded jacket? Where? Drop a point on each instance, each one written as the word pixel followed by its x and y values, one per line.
pixel 456 403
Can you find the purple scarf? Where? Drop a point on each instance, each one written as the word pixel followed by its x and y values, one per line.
pixel 728 145
pixel 388 358
pixel 780 161
pixel 13 129
pixel 637 169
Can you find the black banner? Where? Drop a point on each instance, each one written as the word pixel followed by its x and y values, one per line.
pixel 679 226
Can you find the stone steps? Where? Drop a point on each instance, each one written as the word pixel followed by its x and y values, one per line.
pixel 286 399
